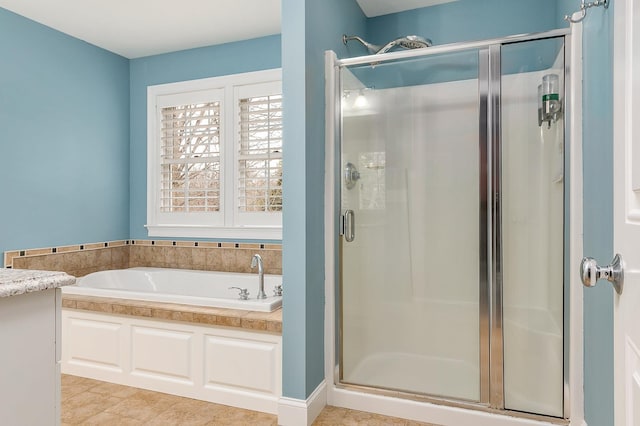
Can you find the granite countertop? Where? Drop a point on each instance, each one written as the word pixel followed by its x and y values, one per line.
pixel 19 281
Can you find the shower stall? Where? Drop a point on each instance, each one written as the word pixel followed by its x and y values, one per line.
pixel 451 224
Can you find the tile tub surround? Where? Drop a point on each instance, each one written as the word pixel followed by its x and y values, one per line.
pixel 14 282
pixel 83 259
pixel 270 322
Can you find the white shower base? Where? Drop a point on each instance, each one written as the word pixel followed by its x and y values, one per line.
pixel 423 411
pixel 422 374
pixel 533 359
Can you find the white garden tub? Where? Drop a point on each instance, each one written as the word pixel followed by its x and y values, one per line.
pixel 216 363
pixel 183 286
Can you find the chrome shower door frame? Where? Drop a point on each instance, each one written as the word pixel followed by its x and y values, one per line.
pixel 490 285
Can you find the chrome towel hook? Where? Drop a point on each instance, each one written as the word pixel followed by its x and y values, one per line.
pixel 583 10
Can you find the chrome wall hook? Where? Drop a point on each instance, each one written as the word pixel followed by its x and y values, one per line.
pixel 583 10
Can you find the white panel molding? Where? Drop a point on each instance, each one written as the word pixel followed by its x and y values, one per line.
pixel 232 357
pixel 632 379
pixel 161 354
pixel 258 388
pixel 297 412
pixel 94 343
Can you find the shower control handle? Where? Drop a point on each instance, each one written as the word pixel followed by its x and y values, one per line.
pixel 590 272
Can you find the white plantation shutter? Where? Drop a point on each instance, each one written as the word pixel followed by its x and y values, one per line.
pixel 190 158
pixel 214 157
pixel 260 154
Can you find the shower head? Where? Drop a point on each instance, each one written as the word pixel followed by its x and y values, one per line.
pixel 407 42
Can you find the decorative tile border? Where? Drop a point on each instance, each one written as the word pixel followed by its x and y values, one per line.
pixel 10 255
pixel 82 259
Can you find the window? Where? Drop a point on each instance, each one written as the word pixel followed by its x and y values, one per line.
pixel 215 157
pixel 190 158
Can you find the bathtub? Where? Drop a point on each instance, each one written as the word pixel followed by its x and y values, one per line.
pixel 209 362
pixel 183 286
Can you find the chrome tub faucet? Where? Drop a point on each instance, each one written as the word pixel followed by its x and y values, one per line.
pixel 257 261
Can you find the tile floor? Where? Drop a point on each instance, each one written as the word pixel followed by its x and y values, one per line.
pixel 91 402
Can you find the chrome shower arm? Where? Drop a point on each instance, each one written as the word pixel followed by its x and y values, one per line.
pixel 372 48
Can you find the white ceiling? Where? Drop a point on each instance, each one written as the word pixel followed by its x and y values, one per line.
pixel 373 8
pixel 137 28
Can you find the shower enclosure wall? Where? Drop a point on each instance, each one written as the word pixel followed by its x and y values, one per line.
pixel 452 213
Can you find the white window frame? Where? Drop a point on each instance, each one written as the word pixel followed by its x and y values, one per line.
pixel 228 222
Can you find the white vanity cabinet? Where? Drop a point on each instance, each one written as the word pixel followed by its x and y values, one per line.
pixel 30 351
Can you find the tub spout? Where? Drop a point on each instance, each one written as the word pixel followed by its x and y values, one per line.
pixel 257 261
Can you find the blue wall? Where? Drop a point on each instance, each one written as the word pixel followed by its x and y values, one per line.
pixel 466 20
pixel 231 58
pixel 308 29
pixel 598 211
pixel 449 23
pixel 64 133
pixel 563 8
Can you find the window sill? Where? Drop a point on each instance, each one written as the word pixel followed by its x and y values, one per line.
pixel 195 231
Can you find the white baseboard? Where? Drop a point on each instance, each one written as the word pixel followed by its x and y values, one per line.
pixel 298 412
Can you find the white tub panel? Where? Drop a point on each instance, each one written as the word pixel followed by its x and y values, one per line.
pixel 225 365
pixel 164 354
pixel 95 343
pixel 240 363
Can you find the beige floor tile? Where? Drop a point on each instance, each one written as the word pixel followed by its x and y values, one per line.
pixel 237 416
pixel 335 416
pixel 69 380
pixel 330 416
pixel 143 405
pixel 112 389
pixel 67 391
pixel 91 402
pixel 370 419
pixel 179 417
pixel 108 419
pixel 84 405
pixel 208 409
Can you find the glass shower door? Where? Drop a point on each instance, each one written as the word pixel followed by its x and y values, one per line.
pixel 414 250
pixel 532 145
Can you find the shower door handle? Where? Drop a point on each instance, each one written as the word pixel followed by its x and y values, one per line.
pixel 590 272
pixel 349 226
